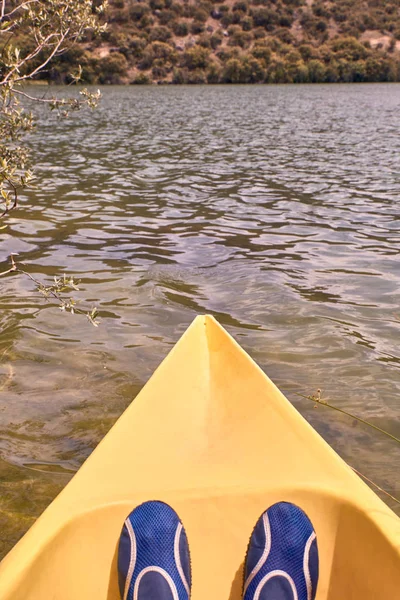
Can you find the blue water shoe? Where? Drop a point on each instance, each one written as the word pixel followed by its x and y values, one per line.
pixel 282 557
pixel 153 555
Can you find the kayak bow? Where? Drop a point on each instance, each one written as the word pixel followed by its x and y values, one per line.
pixel 213 437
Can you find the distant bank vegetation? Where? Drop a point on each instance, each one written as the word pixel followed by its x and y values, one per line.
pixel 241 41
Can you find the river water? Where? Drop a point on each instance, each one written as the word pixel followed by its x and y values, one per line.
pixel 274 208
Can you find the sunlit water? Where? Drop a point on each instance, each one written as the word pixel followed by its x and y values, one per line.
pixel 274 208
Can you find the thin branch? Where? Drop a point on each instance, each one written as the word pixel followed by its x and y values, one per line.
pixel 54 292
pixel 34 98
pixel 53 53
pixel 16 9
pixel 375 485
pixel 30 56
pixel 10 270
pixel 8 208
pixel 324 403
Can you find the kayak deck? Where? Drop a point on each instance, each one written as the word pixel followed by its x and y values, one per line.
pixel 212 436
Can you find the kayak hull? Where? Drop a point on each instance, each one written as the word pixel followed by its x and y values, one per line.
pixel 212 436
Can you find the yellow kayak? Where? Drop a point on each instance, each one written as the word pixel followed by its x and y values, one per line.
pixel 213 437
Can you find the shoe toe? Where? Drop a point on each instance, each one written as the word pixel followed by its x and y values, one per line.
pixel 153 555
pixel 282 556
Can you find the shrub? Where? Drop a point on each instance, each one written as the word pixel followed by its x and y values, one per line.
pixel 159 72
pixel 188 11
pixel 164 53
pixel 206 7
pixel 136 46
pixel 196 58
pixel 293 57
pixel 226 54
pixel 321 26
pixel 316 71
pixel 166 17
pixel 240 5
pixel 284 35
pixel 262 52
pixel 197 27
pixel 118 16
pixel 232 71
pixel 298 72
pixel 227 19
pixel 349 48
pixel 160 34
pixel 237 17
pixel 306 51
pixel 177 8
pixel 180 28
pixel 238 37
pixel 196 77
pixel 145 21
pixel 285 21
pixel 259 33
pixel 141 79
pixel 320 10
pixel 204 40
pixel 112 68
pixel 247 24
pixel 252 70
pixel 265 17
pixel 137 11
pixel 185 76
pixel 277 72
pixel 200 15
pixel 216 40
pixel 213 73
pixel 332 72
pixel 178 76
pixel 157 4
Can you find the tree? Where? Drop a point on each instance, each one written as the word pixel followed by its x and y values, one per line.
pixel 32 34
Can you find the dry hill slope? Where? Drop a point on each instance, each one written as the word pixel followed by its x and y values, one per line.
pixel 242 41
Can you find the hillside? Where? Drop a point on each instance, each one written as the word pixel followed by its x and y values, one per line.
pixel 241 41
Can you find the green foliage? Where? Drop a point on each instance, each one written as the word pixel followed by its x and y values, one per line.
pixel 141 79
pixel 47 31
pixel 166 16
pixel 180 28
pixel 238 37
pixel 243 70
pixel 247 23
pixel 204 40
pixel 213 73
pixel 32 36
pixel 262 52
pixel 160 34
pixel 200 15
pixel 112 68
pixel 138 10
pixel 195 58
pixel 163 53
pixel 316 71
pixel 197 27
pixel 240 5
pixel 232 71
pixel 267 31
pixel 265 17
pixel 349 49
pixel 216 40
